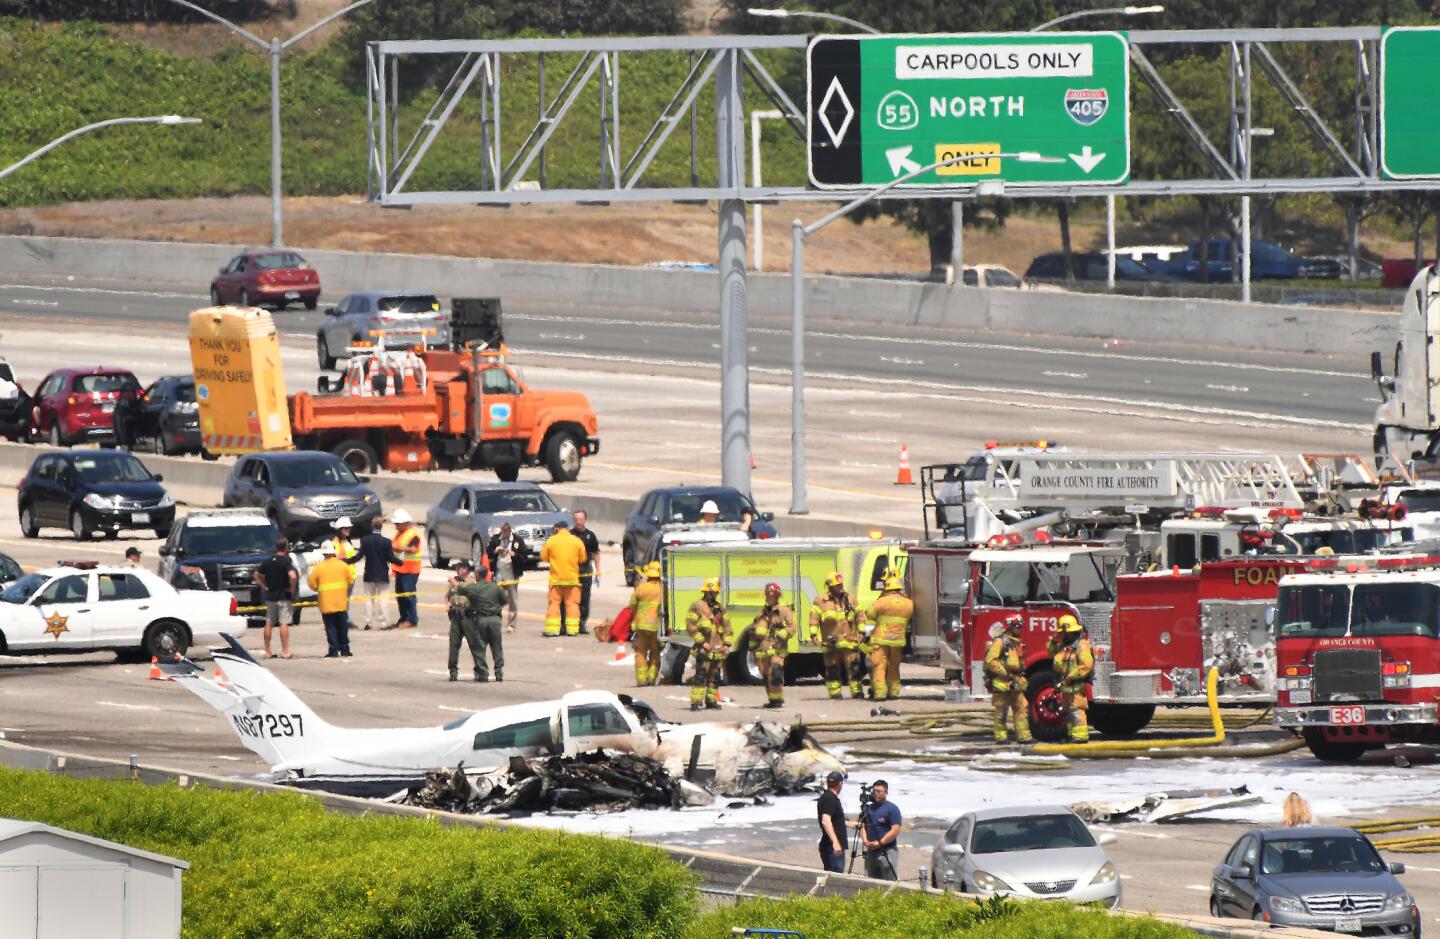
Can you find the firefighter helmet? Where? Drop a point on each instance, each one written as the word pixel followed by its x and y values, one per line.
pixel 711 586
pixel 772 592
pixel 1014 621
pixel 1069 624
pixel 893 582
pixel 652 570
pixel 835 580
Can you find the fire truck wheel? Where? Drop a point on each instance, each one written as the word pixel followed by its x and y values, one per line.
pixel 1332 751
pixel 742 669
pixel 358 455
pixel 1116 721
pixel 1047 712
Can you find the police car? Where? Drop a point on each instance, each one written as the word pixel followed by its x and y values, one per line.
pixel 85 607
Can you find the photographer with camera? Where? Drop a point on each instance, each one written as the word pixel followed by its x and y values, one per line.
pixel 879 831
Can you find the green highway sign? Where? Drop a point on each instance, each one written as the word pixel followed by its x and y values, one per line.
pixel 884 106
pixel 1409 90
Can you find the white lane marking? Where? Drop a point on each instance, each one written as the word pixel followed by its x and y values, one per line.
pixel 899 361
pixel 128 707
pixel 887 415
pixel 107 290
pixel 222 756
pixel 947 343
pixel 569 337
pixel 1203 888
pixel 444 707
pixel 25 302
pixel 1235 389
pixel 1176 412
pixel 1056 374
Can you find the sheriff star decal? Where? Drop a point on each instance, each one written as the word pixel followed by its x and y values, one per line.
pixel 55 624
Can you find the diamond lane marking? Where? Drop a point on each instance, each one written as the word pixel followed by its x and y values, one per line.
pixel 835 89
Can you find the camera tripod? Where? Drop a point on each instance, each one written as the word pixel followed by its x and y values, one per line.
pixel 862 828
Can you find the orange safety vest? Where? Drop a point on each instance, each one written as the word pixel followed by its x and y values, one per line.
pixel 406 546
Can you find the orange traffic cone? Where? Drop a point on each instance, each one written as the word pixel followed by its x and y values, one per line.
pixel 621 652
pixel 752 460
pixel 155 673
pixel 903 479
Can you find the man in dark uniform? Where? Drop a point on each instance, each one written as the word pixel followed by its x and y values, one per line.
pixel 462 624
pixel 484 602
pixel 590 570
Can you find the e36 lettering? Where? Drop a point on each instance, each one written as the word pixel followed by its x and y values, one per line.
pixel 269 725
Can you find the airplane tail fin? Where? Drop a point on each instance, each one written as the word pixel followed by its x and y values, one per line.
pixel 269 718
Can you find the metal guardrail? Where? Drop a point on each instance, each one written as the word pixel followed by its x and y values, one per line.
pixel 723 877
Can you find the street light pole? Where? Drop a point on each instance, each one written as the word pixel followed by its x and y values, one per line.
pixel 112 122
pixel 1108 11
pixel 799 231
pixel 815 15
pixel 275 48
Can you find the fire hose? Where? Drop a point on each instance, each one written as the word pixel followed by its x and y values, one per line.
pixel 1212 681
pixel 1409 844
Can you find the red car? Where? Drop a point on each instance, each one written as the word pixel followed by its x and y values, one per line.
pixel 78 404
pixel 275 278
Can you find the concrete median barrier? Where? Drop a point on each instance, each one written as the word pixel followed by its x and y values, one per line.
pixel 844 299
pixel 197 482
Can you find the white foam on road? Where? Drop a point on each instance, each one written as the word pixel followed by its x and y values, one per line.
pixel 944 791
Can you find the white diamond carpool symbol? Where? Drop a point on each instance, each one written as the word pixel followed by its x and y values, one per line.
pixel 836 91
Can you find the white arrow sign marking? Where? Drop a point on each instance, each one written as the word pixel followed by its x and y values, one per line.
pixel 1086 160
pixel 900 161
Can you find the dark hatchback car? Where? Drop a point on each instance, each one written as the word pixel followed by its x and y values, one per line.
pixel 92 490
pixel 164 419
pixel 1314 878
pixel 303 492
pixel 680 505
pixel 1090 266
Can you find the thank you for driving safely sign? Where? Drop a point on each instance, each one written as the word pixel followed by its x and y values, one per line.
pixel 884 106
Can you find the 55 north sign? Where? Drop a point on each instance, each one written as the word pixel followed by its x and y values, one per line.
pixel 883 106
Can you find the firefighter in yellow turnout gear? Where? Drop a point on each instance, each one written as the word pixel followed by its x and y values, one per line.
pixel 834 625
pixel 709 627
pixel 1074 664
pixel 891 613
pixel 644 621
pixel 1005 680
pixel 769 637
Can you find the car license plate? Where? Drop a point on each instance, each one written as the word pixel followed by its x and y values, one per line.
pixel 139 516
pixel 107 409
pixel 1348 716
pixel 1348 924
pixel 1301 697
pixel 292 295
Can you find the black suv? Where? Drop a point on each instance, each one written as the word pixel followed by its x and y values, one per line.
pixel 165 419
pixel 678 505
pixel 226 545
pixel 92 490
pixel 303 492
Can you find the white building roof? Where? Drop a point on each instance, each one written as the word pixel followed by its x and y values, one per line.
pixel 11 828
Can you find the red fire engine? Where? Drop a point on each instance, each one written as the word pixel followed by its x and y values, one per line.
pixel 1358 654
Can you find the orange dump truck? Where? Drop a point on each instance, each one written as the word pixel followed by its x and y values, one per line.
pixel 413 410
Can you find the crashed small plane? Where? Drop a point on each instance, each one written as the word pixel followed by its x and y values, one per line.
pixel 725 758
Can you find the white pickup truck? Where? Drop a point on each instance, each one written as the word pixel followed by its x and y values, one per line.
pixel 84 608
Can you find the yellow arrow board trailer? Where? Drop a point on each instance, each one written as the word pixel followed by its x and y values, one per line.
pixel 799 565
pixel 239 384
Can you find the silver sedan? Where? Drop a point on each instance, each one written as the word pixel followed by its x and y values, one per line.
pixel 1041 852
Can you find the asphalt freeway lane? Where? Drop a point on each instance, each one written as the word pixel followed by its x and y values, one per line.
pixel 1278 388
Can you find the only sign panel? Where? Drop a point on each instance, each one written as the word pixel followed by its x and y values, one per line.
pixel 1409 87
pixel 884 106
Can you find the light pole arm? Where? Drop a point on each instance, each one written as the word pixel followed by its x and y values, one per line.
pixel 1108 11
pixel 333 16
pixel 224 22
pixel 166 119
pixel 817 15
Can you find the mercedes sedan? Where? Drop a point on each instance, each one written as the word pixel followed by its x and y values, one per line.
pixel 1315 878
pixel 1040 852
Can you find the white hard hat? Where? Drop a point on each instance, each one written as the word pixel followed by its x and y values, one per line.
pixel 709 508
pixel 401 517
pixel 328 549
pixel 343 522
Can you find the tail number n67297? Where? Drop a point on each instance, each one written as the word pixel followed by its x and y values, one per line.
pixel 269 725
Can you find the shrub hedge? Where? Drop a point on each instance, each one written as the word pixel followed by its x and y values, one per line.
pixel 278 865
